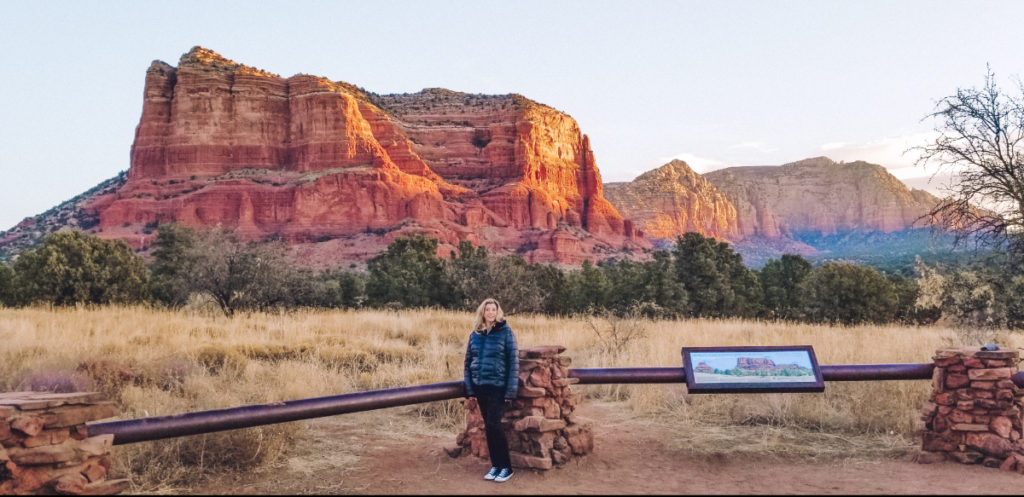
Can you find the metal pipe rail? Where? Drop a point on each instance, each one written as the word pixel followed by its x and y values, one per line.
pixel 194 423
pixel 850 372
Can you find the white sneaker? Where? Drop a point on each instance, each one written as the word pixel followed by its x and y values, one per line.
pixel 504 475
pixel 491 474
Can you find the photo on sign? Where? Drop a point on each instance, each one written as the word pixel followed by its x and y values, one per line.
pixel 752 369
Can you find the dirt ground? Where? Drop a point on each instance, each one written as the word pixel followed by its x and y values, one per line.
pixel 377 453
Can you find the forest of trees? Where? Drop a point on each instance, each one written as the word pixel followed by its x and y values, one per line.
pixel 700 277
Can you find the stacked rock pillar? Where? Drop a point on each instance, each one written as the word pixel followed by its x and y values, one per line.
pixel 45 447
pixel 542 428
pixel 974 413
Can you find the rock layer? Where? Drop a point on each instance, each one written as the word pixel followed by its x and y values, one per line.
pixel 673 199
pixel 312 160
pixel 822 196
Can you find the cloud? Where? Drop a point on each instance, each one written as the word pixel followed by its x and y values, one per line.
pixel 758 146
pixel 699 164
pixel 893 152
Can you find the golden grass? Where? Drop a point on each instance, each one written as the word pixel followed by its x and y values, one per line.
pixel 188 361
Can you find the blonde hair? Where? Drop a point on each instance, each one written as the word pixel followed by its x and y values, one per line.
pixel 478 322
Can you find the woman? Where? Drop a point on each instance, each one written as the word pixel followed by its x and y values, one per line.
pixel 492 376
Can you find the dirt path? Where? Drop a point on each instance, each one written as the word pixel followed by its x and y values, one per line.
pixel 381 454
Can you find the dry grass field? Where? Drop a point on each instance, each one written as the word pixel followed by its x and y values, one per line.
pixel 156 362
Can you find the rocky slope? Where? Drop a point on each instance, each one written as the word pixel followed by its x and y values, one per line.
pixel 820 196
pixel 340 172
pixel 673 199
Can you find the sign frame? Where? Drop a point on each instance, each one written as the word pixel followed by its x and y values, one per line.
pixel 693 385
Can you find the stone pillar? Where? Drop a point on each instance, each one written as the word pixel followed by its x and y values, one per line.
pixel 542 429
pixel 44 446
pixel 974 413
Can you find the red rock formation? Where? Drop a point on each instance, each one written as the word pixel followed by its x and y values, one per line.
pixel 819 195
pixel 309 160
pixel 672 200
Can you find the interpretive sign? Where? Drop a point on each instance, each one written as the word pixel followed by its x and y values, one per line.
pixel 786 368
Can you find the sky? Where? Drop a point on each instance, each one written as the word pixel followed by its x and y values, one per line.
pixel 718 84
pixel 727 360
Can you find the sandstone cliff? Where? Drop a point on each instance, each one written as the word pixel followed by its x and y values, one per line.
pixel 343 171
pixel 820 196
pixel 673 199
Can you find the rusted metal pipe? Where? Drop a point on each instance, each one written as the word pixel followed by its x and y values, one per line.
pixel 194 423
pixel 848 372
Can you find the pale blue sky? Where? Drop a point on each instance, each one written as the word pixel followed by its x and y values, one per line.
pixel 718 83
pixel 727 360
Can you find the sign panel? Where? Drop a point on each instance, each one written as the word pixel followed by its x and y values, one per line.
pixel 785 368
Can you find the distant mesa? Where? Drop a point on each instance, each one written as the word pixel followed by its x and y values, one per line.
pixel 760 366
pixel 804 207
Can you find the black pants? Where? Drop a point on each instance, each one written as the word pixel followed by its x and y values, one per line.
pixel 492 406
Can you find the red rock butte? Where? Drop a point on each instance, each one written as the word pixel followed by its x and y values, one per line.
pixel 340 172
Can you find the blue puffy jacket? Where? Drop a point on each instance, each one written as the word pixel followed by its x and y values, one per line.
pixel 492 358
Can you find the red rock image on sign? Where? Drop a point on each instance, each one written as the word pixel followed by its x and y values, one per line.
pixel 344 172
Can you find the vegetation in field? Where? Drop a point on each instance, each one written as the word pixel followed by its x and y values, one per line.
pixel 158 362
pixel 699 278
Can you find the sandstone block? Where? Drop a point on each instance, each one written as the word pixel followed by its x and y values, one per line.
pixel 1006 395
pixel 968 457
pixel 47 454
pixel 525 461
pixel 996 354
pixel 582 442
pixel 938 380
pixel 958 416
pixel 106 487
pixel 984 385
pixel 956 368
pixel 30 401
pixel 989 374
pixel 991 462
pixel 531 392
pixel 965 405
pixel 541 377
pixel 560 456
pixel 947 398
pixel 996 363
pixel 547 351
pixel 1009 464
pixel 956 380
pixel 970 427
pixel 28 424
pixel 1001 426
pixel 528 365
pixel 973 362
pixel 552 411
pixel 71 484
pixel 983 394
pixel 989 443
pixel 1007 383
